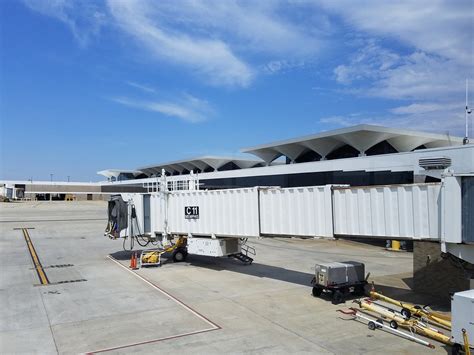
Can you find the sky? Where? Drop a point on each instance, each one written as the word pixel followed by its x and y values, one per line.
pixel 91 85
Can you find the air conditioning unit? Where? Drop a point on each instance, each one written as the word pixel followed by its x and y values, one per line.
pixel 436 163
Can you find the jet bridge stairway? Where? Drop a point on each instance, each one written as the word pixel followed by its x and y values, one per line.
pixel 243 256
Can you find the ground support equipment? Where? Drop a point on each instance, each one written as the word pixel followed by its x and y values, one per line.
pixel 378 323
pixel 339 292
pixel 396 319
pixel 409 310
pixel 152 257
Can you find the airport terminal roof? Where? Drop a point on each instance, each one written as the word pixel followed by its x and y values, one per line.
pixel 201 164
pixel 109 173
pixel 358 140
pixel 360 137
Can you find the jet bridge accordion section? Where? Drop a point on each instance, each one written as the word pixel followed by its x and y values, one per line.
pixel 299 211
pixel 396 211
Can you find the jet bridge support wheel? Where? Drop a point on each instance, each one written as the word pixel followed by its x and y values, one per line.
pixel 180 255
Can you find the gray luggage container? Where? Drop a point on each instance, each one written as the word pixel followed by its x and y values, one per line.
pixel 339 278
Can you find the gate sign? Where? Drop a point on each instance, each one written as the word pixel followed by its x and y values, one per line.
pixel 191 212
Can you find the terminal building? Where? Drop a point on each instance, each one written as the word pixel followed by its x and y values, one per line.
pixel 362 155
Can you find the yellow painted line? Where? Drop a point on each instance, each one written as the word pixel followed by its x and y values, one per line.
pixel 34 257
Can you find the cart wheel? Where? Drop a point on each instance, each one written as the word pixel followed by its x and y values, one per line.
pixel 179 255
pixel 337 297
pixel 456 349
pixel 393 324
pixel 317 291
pixel 371 325
pixel 406 313
pixel 359 290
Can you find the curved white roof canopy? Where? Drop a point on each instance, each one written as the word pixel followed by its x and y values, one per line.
pixel 109 173
pixel 361 138
pixel 205 163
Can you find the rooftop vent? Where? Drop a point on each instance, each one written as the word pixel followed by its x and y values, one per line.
pixel 435 163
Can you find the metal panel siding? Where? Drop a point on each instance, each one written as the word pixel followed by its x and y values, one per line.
pixel 467 188
pixel 407 211
pixel 302 211
pixel 231 212
pixel 146 214
pixel 157 212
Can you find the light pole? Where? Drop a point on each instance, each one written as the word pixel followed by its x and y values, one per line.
pixel 68 178
pixel 467 113
pixel 51 175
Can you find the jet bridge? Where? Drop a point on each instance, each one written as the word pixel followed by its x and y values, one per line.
pixel 424 211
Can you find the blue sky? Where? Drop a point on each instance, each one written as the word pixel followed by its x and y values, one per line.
pixel 89 85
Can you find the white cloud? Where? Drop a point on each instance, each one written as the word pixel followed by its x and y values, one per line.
pixel 145 88
pixel 423 117
pixel 84 18
pixel 256 26
pixel 438 27
pixel 187 108
pixel 431 55
pixel 370 61
pixel 209 57
pixel 426 107
pixel 226 43
pixel 281 66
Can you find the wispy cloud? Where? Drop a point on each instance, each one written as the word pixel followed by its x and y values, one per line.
pixel 425 70
pixel 84 18
pixel 145 88
pixel 426 107
pixel 440 27
pixel 187 108
pixel 211 58
pixel 442 120
pixel 224 43
pixel 282 66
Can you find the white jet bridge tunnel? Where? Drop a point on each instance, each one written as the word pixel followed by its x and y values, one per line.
pixel 440 212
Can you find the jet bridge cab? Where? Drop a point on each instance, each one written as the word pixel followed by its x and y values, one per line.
pixel 144 219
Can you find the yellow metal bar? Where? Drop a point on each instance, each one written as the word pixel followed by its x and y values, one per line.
pixel 410 324
pixel 467 349
pixel 431 316
pixel 34 257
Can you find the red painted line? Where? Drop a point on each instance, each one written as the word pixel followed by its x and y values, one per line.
pixel 151 341
pixel 166 293
pixel 214 326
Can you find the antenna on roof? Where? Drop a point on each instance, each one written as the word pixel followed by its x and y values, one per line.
pixel 468 112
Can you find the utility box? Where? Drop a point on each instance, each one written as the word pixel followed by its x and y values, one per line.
pixel 462 316
pixel 339 273
pixel 213 247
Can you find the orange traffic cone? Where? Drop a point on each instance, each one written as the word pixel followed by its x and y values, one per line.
pixel 132 261
pixel 135 261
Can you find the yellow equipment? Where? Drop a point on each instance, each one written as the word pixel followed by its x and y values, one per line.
pixel 409 309
pixel 411 324
pixel 151 257
pixel 467 349
pixel 395 245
